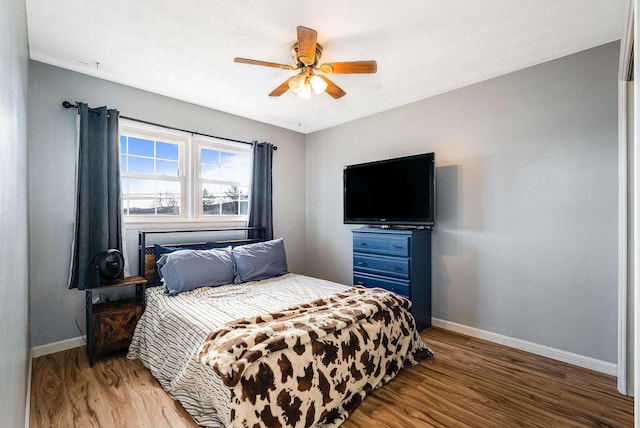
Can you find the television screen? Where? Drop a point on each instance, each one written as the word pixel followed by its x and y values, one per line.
pixel 394 192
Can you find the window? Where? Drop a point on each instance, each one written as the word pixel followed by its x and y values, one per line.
pixel 223 180
pixel 174 176
pixel 153 179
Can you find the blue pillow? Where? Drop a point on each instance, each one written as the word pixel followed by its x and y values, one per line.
pixel 186 270
pixel 258 261
pixel 159 251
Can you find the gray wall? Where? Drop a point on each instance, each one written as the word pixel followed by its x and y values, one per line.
pixel 14 281
pixel 52 138
pixel 525 243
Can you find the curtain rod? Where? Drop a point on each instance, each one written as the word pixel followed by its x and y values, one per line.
pixel 69 105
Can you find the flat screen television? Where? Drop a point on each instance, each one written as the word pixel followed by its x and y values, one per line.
pixel 393 192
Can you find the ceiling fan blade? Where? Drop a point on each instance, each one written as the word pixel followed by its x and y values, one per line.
pixel 307 45
pixel 332 89
pixel 281 89
pixel 350 67
pixel 265 63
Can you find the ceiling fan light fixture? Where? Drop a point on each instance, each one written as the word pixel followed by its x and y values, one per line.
pixel 305 91
pixel 318 84
pixel 297 83
pixel 303 84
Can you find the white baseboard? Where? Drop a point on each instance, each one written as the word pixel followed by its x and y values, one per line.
pixel 523 345
pixel 63 345
pixel 534 348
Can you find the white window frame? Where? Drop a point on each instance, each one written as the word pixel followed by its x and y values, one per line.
pixel 200 142
pixel 189 146
pixel 181 141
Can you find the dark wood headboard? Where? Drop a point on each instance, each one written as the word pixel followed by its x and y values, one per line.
pixel 147 254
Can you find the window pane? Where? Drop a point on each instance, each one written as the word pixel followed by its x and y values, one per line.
pixel 236 194
pixel 140 165
pixel 152 197
pixel 209 156
pixel 142 187
pixel 170 187
pixel 167 168
pixel 167 151
pixel 123 144
pixel 230 208
pixel 139 146
pixel 211 198
pixel 141 207
pixel 223 200
pixel 228 159
pixel 211 191
pixel 211 209
pixel 168 207
pixel 228 174
pixel 225 166
pixel 168 197
pixel 244 161
pixel 123 163
pixel 244 174
pixel 244 208
pixel 242 191
pixel 210 171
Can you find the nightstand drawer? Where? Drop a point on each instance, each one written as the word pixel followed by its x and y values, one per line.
pixel 398 286
pixel 397 267
pixel 114 328
pixel 381 244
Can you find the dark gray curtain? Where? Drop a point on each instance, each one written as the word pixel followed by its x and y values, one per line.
pixel 260 206
pixel 98 225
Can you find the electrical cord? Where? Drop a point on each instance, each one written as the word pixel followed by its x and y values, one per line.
pixel 79 329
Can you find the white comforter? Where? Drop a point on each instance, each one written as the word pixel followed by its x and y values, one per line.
pixel 169 334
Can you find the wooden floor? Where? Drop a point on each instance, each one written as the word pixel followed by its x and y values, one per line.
pixel 469 383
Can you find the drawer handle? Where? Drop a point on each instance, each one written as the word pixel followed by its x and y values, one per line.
pixel 397 246
pixel 361 264
pixel 360 283
pixel 397 268
pixel 364 244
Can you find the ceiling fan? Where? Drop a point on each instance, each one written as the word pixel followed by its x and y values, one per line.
pixel 306 53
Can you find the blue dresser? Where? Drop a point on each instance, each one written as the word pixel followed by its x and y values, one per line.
pixel 397 260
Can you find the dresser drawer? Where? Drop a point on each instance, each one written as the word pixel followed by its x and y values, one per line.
pixel 381 244
pixel 398 286
pixel 397 267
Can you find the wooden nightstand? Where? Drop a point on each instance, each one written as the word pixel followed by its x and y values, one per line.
pixel 110 325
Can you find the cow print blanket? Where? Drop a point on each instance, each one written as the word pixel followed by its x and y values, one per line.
pixel 312 364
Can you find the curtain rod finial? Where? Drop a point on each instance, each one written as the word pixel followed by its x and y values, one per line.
pixel 67 104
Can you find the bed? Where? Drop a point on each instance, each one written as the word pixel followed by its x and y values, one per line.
pixel 281 350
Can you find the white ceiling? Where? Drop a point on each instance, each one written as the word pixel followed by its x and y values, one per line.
pixel 185 49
